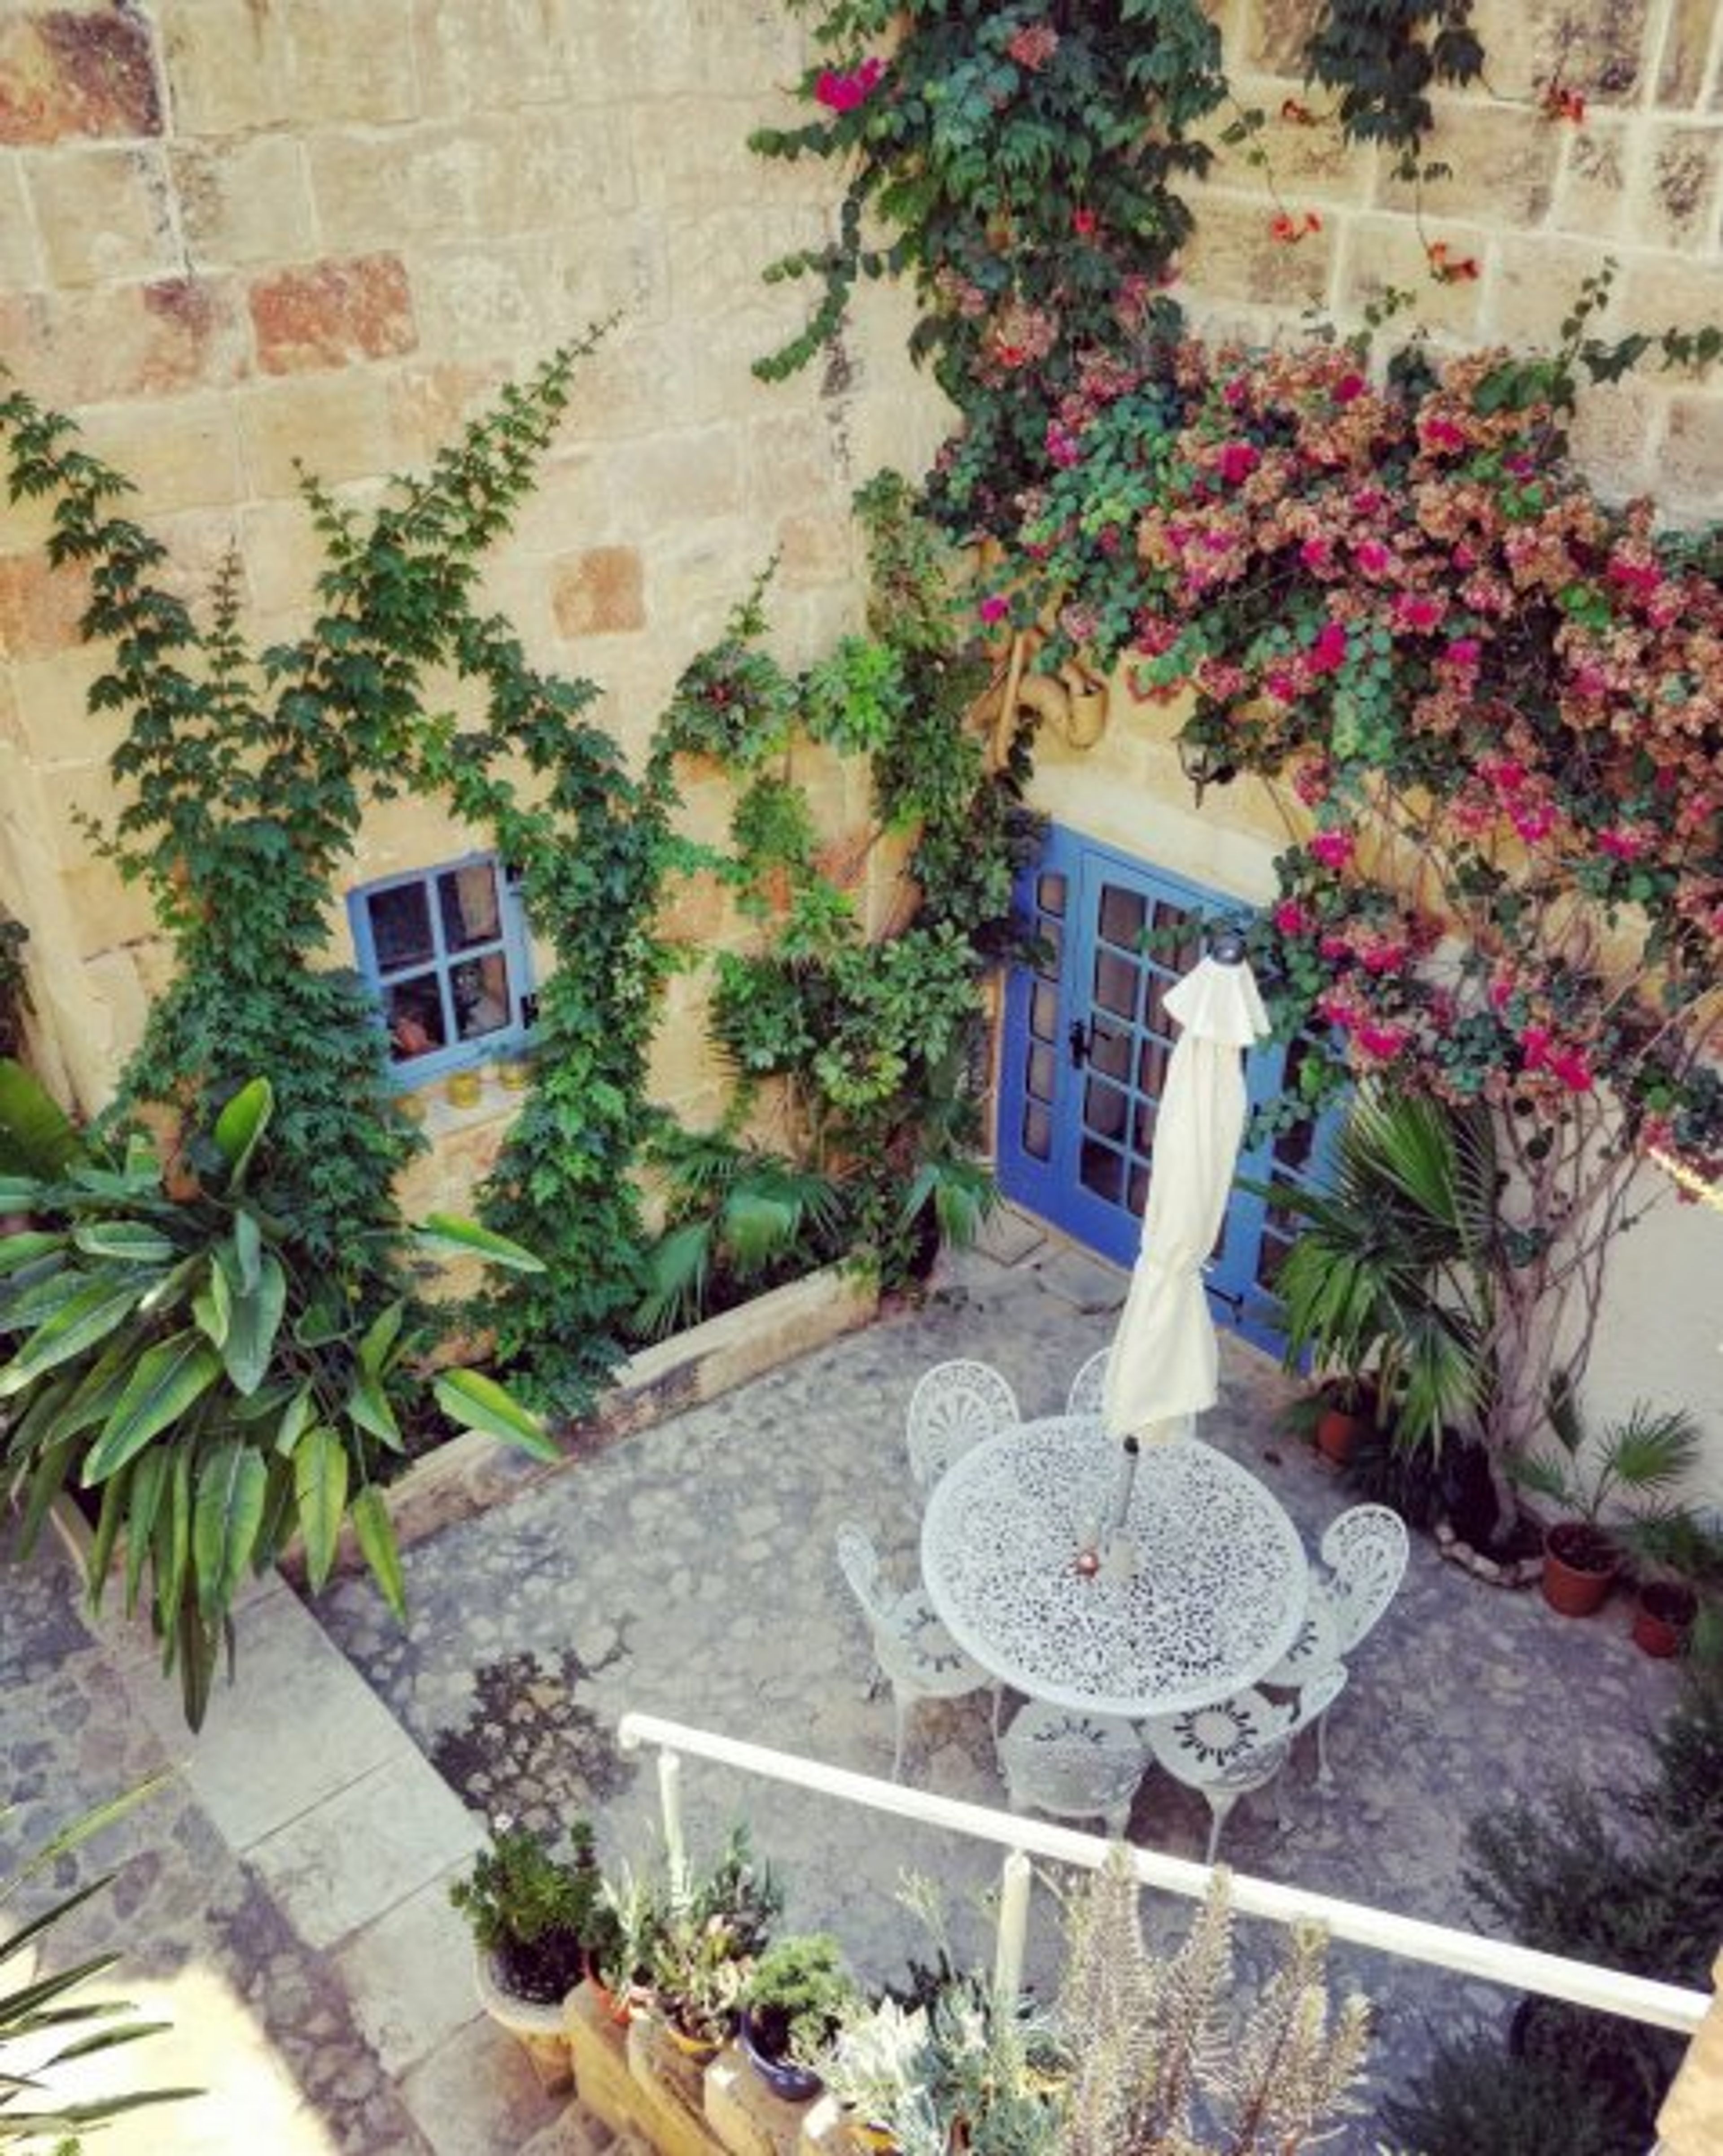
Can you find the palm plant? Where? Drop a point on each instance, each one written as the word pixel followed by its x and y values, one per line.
pixel 1392 1277
pixel 1635 1462
pixel 736 1213
pixel 45 2009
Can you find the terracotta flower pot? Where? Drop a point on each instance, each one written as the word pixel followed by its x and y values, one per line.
pixel 1579 1568
pixel 1338 1434
pixel 1662 1620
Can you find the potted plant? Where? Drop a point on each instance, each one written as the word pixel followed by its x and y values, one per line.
pixel 792 2007
pixel 1338 1417
pixel 535 1915
pixel 1639 1458
pixel 1678 1561
pixel 695 1940
pixel 876 2067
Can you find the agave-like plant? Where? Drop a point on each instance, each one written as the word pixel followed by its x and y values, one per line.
pixel 44 2023
pixel 176 1355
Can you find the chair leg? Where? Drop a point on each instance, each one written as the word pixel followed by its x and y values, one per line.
pixel 1118 1817
pixel 1220 1803
pixel 901 1699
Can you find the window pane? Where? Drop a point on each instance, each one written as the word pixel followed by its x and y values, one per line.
pixel 1109 1050
pixel 1104 1110
pixel 1037 1132
pixel 414 1011
pixel 468 899
pixel 480 987
pixel 1043 1010
pixel 400 926
pixel 1103 1171
pixel 1050 893
pixel 1138 1196
pixel 1151 1067
pixel 1116 983
pixel 1039 1074
pixel 1123 914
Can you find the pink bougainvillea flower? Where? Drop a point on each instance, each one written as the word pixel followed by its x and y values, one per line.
pixel 1501 991
pixel 1085 223
pixel 1384 957
pixel 1309 780
pixel 1622 844
pixel 1463 651
pixel 1436 432
pixel 1290 918
pixel 1641 579
pixel 1238 461
pixel 994 607
pixel 1328 654
pixel 1417 610
pixel 1315 557
pixel 1503 773
pixel 1373 558
pixel 1034 45
pixel 1349 388
pixel 1062 446
pixel 841 90
pixel 1571 1068
pixel 1366 502
pixel 1333 848
pixel 1334 947
pixel 1533 820
pixel 1383 1042
pixel 1282 684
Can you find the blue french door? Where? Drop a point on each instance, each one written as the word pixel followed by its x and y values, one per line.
pixel 1086 1046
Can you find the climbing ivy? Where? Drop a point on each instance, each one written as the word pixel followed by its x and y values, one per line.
pixel 1383 56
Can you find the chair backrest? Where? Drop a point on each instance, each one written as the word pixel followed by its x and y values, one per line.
pixel 858 1561
pixel 1317 1696
pixel 1089 1385
pixel 1366 1552
pixel 954 1405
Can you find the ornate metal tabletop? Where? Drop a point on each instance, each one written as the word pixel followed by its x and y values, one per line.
pixel 1215 1598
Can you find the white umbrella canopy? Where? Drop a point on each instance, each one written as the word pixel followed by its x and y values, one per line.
pixel 1164 1366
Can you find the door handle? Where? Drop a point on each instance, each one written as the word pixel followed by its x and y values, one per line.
pixel 1080 1040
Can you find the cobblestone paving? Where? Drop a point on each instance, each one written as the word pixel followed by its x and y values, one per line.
pixel 688 1571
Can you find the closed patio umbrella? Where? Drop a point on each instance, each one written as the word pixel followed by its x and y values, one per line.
pixel 1165 1365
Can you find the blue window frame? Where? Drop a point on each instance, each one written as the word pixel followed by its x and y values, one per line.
pixel 445 951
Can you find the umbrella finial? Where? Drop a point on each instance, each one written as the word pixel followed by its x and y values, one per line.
pixel 1226 948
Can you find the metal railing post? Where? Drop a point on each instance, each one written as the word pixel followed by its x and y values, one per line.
pixel 1015 1875
pixel 670 1805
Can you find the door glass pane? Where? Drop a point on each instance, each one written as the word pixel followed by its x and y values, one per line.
pixel 1123 914
pixel 1270 1255
pixel 1138 1194
pixel 1183 954
pixel 1142 1135
pixel 1040 1072
pixel 480 987
pixel 1110 1051
pixel 1151 1067
pixel 1050 894
pixel 1154 1017
pixel 1037 1132
pixel 1116 983
pixel 1104 1110
pixel 1292 1148
pixel 400 926
pixel 413 1010
pixel 468 900
pixel 1103 1171
pixel 1043 1009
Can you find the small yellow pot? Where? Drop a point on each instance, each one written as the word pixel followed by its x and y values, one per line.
pixel 516 1076
pixel 462 1089
pixel 410 1106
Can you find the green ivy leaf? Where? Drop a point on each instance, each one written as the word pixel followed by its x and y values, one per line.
pixel 377 1540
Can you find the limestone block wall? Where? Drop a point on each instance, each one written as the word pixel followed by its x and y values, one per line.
pixel 235 234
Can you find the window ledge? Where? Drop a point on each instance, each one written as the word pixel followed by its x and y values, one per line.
pixel 437 1116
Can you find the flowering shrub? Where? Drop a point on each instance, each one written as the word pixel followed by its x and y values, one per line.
pixel 1019 160
pixel 1493 704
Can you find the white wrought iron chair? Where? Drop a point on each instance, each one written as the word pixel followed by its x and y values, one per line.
pixel 1364 1554
pixel 953 1406
pixel 1239 1744
pixel 1089 1385
pixel 918 1655
pixel 1074 1765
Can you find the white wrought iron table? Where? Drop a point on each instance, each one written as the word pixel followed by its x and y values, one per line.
pixel 1216 1597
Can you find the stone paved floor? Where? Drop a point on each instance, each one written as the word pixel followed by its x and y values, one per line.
pixel 688 1570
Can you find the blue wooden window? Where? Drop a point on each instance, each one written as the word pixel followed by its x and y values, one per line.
pixel 445 951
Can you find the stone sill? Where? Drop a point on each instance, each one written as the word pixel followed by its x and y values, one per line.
pixel 474 1472
pixel 640 2086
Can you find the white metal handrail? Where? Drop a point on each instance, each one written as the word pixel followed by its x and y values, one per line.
pixel 1467 1953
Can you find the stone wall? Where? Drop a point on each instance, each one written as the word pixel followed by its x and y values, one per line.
pixel 238 234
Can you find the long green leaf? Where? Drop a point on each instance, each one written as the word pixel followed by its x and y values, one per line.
pixel 37 1137
pixel 380 1336
pixel 134 1240
pixel 477 1402
pixel 212 1307
pixel 232 1485
pixel 148 1480
pixel 253 1324
pixel 295 1419
pixel 115 1493
pixel 169 1377
pixel 241 1124
pixel 319 1478
pixel 171 1552
pixel 27 1246
pixel 367 1405
pixel 248 1247
pixel 377 1539
pixel 448 1231
pixel 85 1317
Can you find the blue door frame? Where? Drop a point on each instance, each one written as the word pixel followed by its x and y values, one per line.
pixel 1084 1060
